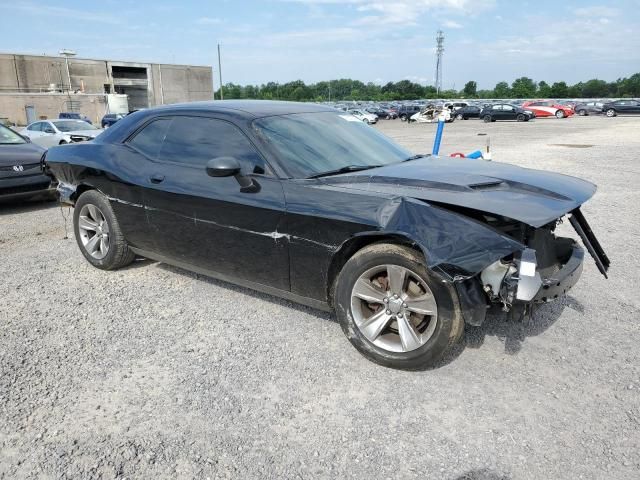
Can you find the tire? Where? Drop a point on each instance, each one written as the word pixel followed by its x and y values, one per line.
pixel 459 116
pixel 403 118
pixel 520 117
pixel 611 113
pixel 92 211
pixel 366 120
pixel 487 119
pixel 427 337
pixel 63 142
pixel 582 112
pixel 560 114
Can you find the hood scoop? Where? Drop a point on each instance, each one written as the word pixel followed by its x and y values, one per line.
pixel 487 185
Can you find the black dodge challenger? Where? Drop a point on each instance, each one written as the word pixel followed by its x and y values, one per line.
pixel 308 203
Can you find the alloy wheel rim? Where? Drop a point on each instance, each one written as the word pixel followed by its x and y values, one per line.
pixel 94 231
pixel 394 308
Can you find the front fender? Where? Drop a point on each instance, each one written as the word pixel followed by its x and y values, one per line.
pixel 456 246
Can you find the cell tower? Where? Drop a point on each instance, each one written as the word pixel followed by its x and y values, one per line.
pixel 439 52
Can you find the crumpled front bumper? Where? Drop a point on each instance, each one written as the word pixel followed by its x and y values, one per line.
pixel 564 279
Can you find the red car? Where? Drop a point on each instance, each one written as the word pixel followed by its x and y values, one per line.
pixel 548 108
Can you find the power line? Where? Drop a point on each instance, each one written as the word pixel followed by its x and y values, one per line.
pixel 439 52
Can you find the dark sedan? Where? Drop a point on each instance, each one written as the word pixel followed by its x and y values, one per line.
pixel 20 168
pixel 110 118
pixel 505 111
pixel 303 202
pixel 465 113
pixel 588 108
pixel 621 107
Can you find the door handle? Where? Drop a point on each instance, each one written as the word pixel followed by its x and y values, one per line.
pixel 156 178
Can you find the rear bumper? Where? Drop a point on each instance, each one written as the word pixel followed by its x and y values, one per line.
pixel 564 279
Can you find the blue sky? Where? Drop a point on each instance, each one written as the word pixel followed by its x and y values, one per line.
pixel 378 40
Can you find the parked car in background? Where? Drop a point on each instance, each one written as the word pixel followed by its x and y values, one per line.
pixel 300 201
pixel 505 111
pixel 48 133
pixel 111 118
pixel 75 116
pixel 548 108
pixel 465 113
pixel 366 117
pixel 623 107
pixel 588 108
pixel 378 112
pixel 21 173
pixel 405 112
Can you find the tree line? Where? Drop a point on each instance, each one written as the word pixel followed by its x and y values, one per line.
pixel 348 89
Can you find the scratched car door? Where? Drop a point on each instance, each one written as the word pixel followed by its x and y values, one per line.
pixel 212 223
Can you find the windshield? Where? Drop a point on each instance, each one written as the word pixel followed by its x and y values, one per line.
pixel 9 137
pixel 73 125
pixel 311 143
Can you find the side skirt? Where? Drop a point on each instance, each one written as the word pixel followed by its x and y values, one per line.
pixel 309 302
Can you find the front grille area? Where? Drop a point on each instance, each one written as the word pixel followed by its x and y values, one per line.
pixel 24 188
pixel 28 166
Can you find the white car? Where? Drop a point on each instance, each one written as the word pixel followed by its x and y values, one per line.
pixel 431 114
pixel 366 117
pixel 48 133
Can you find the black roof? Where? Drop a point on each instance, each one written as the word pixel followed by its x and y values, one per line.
pixel 253 108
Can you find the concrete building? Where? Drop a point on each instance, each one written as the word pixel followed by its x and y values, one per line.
pixel 37 86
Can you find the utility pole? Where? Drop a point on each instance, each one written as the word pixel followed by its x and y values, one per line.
pixel 439 52
pixel 66 54
pixel 220 73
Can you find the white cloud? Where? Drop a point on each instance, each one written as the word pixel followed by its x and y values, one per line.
pixel 208 21
pixel 596 11
pixel 451 24
pixel 393 12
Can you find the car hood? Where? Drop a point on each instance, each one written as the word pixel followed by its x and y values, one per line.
pixel 22 154
pixel 533 197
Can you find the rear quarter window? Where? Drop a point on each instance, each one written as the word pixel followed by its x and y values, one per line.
pixel 149 140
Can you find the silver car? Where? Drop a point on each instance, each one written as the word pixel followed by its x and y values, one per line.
pixel 48 133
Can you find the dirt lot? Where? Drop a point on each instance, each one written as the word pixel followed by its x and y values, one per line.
pixel 153 372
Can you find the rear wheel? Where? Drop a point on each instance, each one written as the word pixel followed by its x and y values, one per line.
pixel 394 310
pixel 486 118
pixel 560 114
pixel 98 232
pixel 459 116
pixel 611 112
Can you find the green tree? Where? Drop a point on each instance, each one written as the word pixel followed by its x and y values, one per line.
pixel 544 89
pixel 502 90
pixel 523 87
pixel 470 89
pixel 595 88
pixel 559 90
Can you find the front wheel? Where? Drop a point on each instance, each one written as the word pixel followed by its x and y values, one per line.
pixel 486 119
pixel 395 311
pixel 560 114
pixel 611 112
pixel 582 112
pixel 520 117
pixel 98 233
pixel 459 116
pixel 403 118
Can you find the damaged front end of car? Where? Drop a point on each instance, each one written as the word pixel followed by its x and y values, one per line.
pixel 547 268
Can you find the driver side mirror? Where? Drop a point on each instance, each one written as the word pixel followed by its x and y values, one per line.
pixel 230 167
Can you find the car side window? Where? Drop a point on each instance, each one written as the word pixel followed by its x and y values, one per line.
pixel 497 107
pixel 35 127
pixel 196 140
pixel 150 138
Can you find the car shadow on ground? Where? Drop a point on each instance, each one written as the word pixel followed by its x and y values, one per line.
pixel 12 207
pixel 497 324
pixel 514 332
pixel 483 474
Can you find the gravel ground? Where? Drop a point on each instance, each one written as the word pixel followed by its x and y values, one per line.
pixel 154 372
